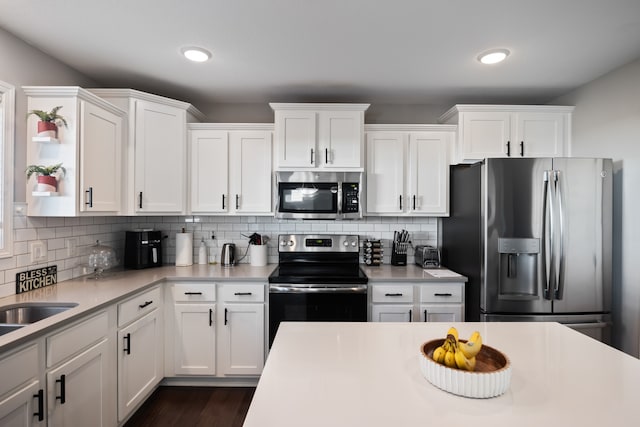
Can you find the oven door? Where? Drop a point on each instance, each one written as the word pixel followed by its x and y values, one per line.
pixel 347 303
pixel 318 200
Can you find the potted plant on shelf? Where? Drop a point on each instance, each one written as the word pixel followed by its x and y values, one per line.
pixel 49 120
pixel 47 176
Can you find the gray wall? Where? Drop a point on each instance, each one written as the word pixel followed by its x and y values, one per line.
pixel 606 123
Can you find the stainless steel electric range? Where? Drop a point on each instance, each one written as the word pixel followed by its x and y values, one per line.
pixel 318 279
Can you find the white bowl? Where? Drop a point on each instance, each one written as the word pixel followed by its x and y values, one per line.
pixel 491 377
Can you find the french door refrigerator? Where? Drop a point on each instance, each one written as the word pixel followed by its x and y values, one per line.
pixel 533 236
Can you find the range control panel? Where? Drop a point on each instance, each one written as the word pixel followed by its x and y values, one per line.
pixel 318 243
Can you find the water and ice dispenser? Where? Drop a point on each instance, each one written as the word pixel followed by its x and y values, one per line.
pixel 518 267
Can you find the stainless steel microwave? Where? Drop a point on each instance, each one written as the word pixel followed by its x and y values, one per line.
pixel 318 195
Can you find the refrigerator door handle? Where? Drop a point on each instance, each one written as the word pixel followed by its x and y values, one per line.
pixel 546 233
pixel 559 288
pixel 587 325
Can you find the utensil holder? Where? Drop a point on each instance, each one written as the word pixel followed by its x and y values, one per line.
pixel 399 253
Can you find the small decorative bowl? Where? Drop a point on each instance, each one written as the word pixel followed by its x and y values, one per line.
pixel 491 377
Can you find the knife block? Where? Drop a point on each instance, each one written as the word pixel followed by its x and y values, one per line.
pixel 399 253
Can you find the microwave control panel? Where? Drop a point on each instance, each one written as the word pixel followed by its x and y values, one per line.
pixel 350 197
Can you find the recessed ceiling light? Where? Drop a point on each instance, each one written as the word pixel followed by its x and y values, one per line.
pixel 196 54
pixel 493 56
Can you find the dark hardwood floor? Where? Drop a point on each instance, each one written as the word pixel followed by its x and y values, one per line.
pixel 194 406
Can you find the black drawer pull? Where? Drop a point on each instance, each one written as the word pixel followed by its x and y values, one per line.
pixel 193 293
pixel 140 200
pixel 223 201
pixel 425 315
pixel 243 293
pixel 521 148
pixel 508 148
pixel 210 316
pixel 127 348
pixel 146 303
pixel 443 295
pixel 393 295
pixel 410 315
pixel 90 193
pixel 62 398
pixel 225 316
pixel 40 397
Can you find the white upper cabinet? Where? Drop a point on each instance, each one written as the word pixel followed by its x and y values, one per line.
pixel 90 149
pixel 319 135
pixel 230 168
pixel 510 131
pixel 408 169
pixel 156 154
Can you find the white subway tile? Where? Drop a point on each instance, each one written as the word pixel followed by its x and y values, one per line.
pixel 25 234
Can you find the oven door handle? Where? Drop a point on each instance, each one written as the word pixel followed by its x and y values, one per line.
pixel 284 289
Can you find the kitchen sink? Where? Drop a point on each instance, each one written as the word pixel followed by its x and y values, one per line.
pixel 5 329
pixel 20 314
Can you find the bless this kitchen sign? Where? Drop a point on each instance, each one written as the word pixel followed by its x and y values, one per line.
pixel 36 278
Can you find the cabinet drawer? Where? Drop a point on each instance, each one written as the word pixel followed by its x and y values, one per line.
pixel 138 306
pixel 193 292
pixel 75 338
pixel 242 293
pixel 392 293
pixel 19 368
pixel 443 292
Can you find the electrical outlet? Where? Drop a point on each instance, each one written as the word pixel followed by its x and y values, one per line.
pixel 38 251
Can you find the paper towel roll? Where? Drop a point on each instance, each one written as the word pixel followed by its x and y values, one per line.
pixel 184 249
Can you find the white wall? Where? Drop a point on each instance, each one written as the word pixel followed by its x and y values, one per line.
pixel 606 123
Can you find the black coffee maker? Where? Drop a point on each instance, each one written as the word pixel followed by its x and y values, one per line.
pixel 143 249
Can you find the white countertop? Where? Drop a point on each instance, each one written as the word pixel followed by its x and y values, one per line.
pixel 368 374
pixel 410 273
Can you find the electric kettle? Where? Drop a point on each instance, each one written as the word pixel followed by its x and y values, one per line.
pixel 228 255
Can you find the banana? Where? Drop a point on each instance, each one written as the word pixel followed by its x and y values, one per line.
pixel 472 347
pixel 438 354
pixel 463 363
pixel 450 359
pixel 453 331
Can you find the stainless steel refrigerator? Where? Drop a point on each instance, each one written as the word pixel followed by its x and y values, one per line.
pixel 534 238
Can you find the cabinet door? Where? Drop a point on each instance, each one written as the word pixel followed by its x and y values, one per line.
pixel 428 178
pixel 100 159
pixel 539 135
pixel 487 134
pixel 385 172
pixel 241 344
pixel 21 409
pixel 340 139
pixel 251 172
pixel 194 339
pixel 209 171
pixel 139 362
pixel 391 313
pixel 441 313
pixel 160 162
pixel 296 138
pixel 78 393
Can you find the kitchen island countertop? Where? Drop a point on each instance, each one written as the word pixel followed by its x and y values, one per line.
pixel 368 374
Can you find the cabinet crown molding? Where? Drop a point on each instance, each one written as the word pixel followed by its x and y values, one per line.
pixel 462 108
pixel 322 106
pixel 231 126
pixel 409 128
pixel 72 91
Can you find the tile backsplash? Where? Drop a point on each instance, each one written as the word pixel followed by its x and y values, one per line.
pixel 68 240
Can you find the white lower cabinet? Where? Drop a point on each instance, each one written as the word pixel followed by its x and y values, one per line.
pixel 140 349
pixel 22 388
pixel 432 302
pixel 241 329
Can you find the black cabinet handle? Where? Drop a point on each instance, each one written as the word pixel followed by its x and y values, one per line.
pixel 223 201
pixel 225 316
pixel 312 156
pixel 140 200
pixel 521 148
pixel 401 202
pixel 243 293
pixel 443 295
pixel 62 398
pixel 425 315
pixel 127 340
pixel 146 303
pixel 414 202
pixel 508 148
pixel 193 293
pixel 237 201
pixel 326 155
pixel 210 316
pixel 90 194
pixel 392 295
pixel 40 397
pixel 410 315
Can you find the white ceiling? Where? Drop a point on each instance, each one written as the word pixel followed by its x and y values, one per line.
pixel 378 51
